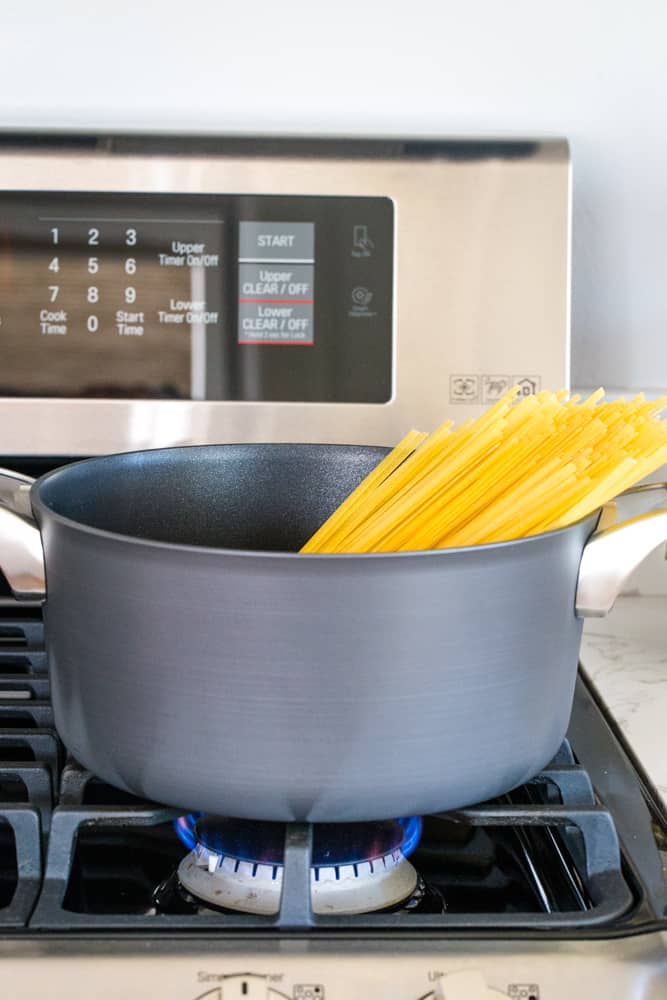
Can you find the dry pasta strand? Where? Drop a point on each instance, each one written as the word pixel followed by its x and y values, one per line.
pixel 528 464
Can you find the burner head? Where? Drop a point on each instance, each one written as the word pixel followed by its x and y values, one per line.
pixel 355 867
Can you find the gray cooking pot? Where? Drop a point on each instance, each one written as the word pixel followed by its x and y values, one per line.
pixel 198 660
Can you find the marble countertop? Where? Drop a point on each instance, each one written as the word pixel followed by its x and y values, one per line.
pixel 625 655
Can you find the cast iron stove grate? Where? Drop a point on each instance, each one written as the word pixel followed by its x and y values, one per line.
pixel 76 854
pixel 29 763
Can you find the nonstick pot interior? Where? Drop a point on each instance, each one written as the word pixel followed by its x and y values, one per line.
pixel 268 497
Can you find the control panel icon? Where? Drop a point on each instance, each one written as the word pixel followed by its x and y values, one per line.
pixel 523 991
pixel 464 388
pixel 494 387
pixel 361 297
pixel 362 244
pixel 308 991
pixel 528 384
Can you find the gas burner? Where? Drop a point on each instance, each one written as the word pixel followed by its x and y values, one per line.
pixel 356 867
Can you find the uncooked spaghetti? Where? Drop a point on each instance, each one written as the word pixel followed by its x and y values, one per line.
pixel 523 467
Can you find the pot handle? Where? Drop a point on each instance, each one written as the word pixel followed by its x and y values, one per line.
pixel 21 554
pixel 613 553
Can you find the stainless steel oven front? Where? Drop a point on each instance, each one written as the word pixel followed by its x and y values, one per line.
pixel 156 293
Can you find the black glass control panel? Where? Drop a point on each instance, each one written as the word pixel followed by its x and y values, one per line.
pixel 229 297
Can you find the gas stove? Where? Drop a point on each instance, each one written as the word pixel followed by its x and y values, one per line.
pixel 556 890
pixel 149 286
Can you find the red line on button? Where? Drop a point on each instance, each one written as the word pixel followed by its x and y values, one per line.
pixel 278 343
pixel 289 302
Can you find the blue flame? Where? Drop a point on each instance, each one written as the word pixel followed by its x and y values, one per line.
pixel 412 826
pixel 413 831
pixel 185 828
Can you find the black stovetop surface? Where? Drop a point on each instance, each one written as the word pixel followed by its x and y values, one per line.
pixel 576 850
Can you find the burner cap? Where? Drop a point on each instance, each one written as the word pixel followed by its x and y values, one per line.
pixel 356 867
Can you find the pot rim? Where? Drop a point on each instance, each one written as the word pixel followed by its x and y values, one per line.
pixel 311 557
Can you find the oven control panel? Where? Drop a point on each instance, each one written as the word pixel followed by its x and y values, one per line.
pixel 246 289
pixel 257 298
pixel 633 968
pixel 467 984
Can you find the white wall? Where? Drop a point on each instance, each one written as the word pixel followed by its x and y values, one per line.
pixel 592 70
